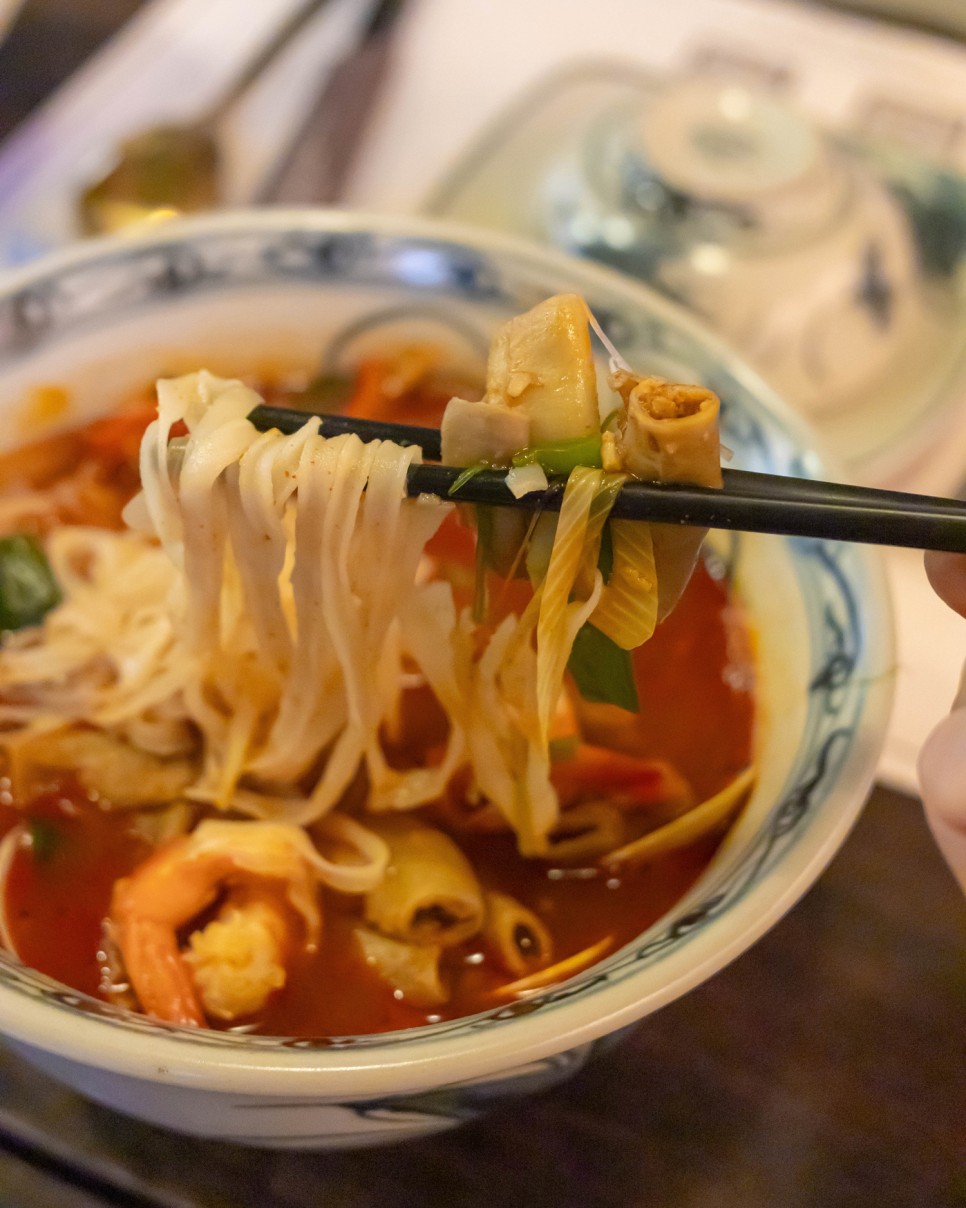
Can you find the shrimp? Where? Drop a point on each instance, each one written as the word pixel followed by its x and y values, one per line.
pixel 238 959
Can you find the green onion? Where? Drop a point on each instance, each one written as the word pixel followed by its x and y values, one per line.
pixel 602 671
pixel 470 472
pixel 484 542
pixel 560 457
pixel 28 590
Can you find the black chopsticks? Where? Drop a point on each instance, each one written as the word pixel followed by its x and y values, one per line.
pixel 750 502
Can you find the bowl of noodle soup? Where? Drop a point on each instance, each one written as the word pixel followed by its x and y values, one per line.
pixel 783 643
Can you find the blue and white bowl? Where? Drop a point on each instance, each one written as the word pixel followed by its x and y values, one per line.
pixel 303 289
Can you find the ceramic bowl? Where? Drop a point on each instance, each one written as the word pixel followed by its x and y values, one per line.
pixel 250 291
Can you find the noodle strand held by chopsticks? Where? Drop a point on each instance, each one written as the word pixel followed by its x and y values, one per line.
pixel 285 608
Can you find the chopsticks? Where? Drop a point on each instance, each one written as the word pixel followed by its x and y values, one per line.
pixel 749 502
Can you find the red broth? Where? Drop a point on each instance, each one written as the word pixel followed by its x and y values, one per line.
pixel 695 683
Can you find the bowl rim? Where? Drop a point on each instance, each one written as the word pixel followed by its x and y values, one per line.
pixel 432 1061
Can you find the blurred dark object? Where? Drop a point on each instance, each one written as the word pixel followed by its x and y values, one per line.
pixel 323 152
pixel 48 42
pixel 946 17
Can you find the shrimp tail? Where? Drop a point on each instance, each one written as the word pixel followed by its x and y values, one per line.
pixel 157 973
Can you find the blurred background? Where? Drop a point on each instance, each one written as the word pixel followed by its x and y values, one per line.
pixel 794 173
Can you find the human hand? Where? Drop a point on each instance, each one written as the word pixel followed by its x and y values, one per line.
pixel 942 760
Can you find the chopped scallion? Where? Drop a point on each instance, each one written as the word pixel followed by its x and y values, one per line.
pixel 561 457
pixel 470 472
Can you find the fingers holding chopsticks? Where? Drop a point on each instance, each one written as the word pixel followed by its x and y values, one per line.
pixel 942 760
pixel 947 576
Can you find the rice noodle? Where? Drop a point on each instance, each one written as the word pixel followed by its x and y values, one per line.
pixel 268 605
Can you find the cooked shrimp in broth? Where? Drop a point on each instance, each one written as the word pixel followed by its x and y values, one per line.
pixel 264 878
pixel 295 753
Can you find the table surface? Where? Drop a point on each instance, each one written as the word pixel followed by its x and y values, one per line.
pixel 825 1068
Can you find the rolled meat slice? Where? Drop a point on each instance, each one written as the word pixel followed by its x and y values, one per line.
pixel 666 432
pixel 429 894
